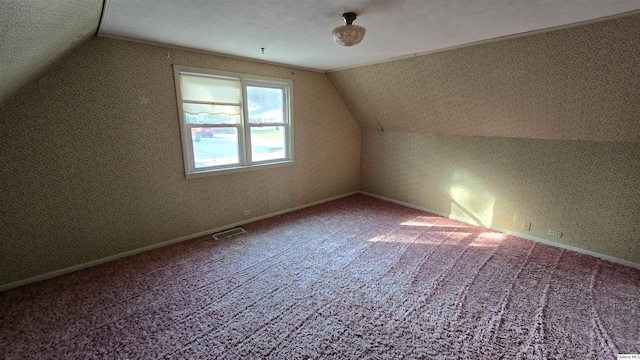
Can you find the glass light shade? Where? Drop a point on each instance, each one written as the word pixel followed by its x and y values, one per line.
pixel 349 35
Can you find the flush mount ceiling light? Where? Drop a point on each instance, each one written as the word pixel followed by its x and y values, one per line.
pixel 349 34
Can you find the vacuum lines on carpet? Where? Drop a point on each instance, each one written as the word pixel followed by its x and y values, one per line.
pixel 353 278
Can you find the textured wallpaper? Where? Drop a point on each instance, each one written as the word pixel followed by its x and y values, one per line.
pixel 92 158
pixel 589 191
pixel 551 124
pixel 34 33
pixel 581 83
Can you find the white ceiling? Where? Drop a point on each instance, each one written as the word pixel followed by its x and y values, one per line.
pixel 298 32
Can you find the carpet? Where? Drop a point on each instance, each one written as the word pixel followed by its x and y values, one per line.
pixel 353 278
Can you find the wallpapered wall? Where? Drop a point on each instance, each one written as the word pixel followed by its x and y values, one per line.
pixel 35 33
pixel 588 190
pixel 580 83
pixel 92 158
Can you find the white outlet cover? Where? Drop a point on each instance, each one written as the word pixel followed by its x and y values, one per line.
pixel 554 233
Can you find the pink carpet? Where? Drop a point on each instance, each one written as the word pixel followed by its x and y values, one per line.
pixel 353 278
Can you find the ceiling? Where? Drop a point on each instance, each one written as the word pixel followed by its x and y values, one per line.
pixel 298 32
pixel 581 83
pixel 34 33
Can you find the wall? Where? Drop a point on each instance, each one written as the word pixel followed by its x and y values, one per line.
pixel 35 33
pixel 553 125
pixel 581 83
pixel 92 158
pixel 590 191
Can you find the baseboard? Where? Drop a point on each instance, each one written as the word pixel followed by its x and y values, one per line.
pixel 510 232
pixel 107 259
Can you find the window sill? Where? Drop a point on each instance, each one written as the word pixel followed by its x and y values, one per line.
pixel 225 171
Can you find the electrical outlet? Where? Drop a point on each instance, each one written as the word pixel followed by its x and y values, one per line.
pixel 526 226
pixel 554 233
pixel 246 213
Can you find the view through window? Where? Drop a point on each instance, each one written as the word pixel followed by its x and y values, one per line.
pixel 232 121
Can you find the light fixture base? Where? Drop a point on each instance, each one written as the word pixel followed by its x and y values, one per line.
pixel 349 17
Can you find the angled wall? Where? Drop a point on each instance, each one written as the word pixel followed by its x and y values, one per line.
pixel 589 191
pixel 92 158
pixel 35 33
pixel 581 83
pixel 542 129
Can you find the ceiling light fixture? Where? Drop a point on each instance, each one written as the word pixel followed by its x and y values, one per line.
pixel 349 34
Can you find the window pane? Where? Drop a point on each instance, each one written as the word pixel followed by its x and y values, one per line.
pixel 215 146
pixel 265 105
pixel 200 88
pixel 211 114
pixel 267 143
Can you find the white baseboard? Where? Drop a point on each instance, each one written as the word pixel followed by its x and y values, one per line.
pixel 510 232
pixel 70 269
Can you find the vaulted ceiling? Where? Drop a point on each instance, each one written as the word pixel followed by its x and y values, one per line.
pixel 34 33
pixel 581 83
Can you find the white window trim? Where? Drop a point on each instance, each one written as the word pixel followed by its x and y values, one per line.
pixel 244 128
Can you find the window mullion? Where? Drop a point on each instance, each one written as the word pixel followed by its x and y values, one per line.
pixel 213 125
pixel 210 103
pixel 267 124
pixel 245 124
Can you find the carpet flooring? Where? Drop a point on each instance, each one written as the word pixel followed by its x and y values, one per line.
pixel 353 278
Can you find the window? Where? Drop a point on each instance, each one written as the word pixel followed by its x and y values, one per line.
pixel 233 122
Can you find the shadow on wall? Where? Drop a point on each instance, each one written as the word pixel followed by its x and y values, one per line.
pixel 470 201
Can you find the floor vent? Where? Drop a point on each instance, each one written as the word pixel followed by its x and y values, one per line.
pixel 228 233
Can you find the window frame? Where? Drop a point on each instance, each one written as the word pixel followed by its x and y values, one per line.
pixel 243 128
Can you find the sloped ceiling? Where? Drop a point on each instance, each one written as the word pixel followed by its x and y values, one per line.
pixel 581 83
pixel 34 33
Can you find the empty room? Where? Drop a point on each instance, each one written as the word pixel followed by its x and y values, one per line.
pixel 319 179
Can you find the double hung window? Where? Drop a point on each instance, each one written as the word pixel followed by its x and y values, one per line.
pixel 231 121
